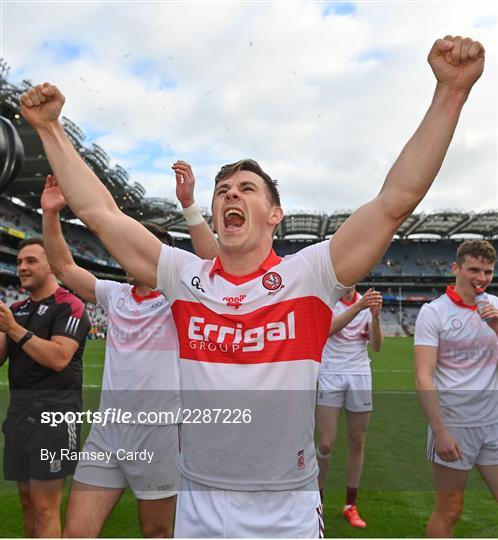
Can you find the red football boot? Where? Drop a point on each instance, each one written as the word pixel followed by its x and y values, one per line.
pixel 351 514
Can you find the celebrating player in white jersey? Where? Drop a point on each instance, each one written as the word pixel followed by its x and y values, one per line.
pixel 345 381
pixel 456 363
pixel 141 376
pixel 251 322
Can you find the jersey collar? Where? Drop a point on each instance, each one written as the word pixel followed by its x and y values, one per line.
pixel 456 298
pixel 272 260
pixel 138 298
pixel 353 301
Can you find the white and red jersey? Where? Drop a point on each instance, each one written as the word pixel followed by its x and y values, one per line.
pixel 141 371
pixel 346 351
pixel 251 343
pixel 466 374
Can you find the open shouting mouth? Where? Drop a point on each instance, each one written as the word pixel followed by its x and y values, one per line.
pixel 233 218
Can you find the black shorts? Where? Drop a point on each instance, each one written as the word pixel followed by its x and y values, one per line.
pixel 33 450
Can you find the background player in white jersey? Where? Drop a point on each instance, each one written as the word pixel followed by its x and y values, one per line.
pixel 345 381
pixel 251 320
pixel 456 365
pixel 141 374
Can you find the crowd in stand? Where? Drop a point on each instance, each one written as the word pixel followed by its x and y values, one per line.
pixel 82 242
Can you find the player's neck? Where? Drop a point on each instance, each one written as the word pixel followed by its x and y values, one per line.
pixel 142 290
pixel 468 297
pixel 44 291
pixel 241 262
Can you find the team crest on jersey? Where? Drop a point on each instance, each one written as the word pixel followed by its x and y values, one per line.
pixel 456 324
pixel 55 466
pixel 273 282
pixel 300 460
pixel 234 301
pixel 121 303
pixel 42 310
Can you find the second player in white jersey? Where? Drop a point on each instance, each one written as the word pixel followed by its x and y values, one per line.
pixel 345 382
pixel 456 365
pixel 466 371
pixel 346 350
pixel 141 372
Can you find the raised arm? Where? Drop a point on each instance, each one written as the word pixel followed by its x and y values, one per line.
pixel 203 240
pixel 59 256
pixel 375 333
pixel 135 248
pixel 369 299
pixel 425 363
pixel 361 241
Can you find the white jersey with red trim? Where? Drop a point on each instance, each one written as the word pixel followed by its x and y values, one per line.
pixel 250 349
pixel 141 370
pixel 466 374
pixel 346 351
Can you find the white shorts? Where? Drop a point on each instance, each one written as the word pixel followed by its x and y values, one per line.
pixel 203 512
pixel 142 457
pixel 352 391
pixel 479 446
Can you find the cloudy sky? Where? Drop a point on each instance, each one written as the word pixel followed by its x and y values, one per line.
pixel 323 94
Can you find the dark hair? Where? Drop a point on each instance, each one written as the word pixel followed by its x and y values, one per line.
pixel 31 241
pixel 479 249
pixel 159 232
pixel 253 166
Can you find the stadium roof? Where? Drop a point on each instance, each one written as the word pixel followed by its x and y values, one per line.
pixel 130 197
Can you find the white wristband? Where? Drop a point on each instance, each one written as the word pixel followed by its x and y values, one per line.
pixel 193 215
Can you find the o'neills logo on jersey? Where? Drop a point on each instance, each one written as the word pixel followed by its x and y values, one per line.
pixel 234 301
pixel 289 330
pixel 214 337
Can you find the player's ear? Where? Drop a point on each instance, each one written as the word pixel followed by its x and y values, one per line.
pixel 276 216
pixel 455 268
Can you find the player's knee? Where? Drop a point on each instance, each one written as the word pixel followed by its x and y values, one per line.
pixel 357 443
pixel 45 513
pixel 324 450
pixel 43 504
pixel 450 507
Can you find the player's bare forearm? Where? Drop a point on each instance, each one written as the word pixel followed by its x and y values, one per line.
pixel 425 363
pixel 414 171
pixel 430 405
pixel 58 253
pixel 376 335
pixel 135 248
pixel 355 248
pixel 204 242
pixel 45 352
pixel 83 191
pixel 61 260
pixel 342 320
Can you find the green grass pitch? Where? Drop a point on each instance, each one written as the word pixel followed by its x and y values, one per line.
pixel 396 493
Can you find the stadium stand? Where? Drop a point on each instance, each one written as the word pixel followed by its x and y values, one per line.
pixel 415 269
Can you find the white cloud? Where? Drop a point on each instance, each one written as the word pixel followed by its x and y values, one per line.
pixel 274 81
